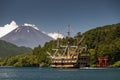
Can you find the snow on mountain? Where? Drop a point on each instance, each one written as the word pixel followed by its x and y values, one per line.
pixel 7 28
pixel 31 25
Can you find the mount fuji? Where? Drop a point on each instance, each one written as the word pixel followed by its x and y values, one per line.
pixel 27 35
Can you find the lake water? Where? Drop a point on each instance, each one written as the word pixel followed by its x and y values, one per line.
pixel 11 73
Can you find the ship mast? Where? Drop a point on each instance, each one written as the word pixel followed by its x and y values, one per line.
pixel 58 41
pixel 68 42
pixel 68 31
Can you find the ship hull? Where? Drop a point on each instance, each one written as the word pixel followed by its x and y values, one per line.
pixel 65 63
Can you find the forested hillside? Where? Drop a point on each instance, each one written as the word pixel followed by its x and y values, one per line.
pixel 104 42
pixel 8 49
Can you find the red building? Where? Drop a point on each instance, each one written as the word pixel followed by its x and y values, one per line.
pixel 102 62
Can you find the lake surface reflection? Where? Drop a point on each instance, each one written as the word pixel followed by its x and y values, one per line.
pixel 31 73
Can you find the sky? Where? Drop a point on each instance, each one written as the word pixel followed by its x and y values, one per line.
pixel 55 15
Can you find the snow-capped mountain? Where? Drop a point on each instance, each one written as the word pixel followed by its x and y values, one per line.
pixel 27 35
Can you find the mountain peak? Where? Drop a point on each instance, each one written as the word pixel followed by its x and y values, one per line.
pixel 31 25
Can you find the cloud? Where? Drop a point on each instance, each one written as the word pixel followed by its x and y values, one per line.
pixel 55 35
pixel 7 28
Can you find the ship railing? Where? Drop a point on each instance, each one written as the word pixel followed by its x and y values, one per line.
pixel 64 60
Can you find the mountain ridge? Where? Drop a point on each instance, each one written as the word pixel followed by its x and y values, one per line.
pixel 9 49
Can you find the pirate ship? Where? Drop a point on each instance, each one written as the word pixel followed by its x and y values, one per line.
pixel 70 56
